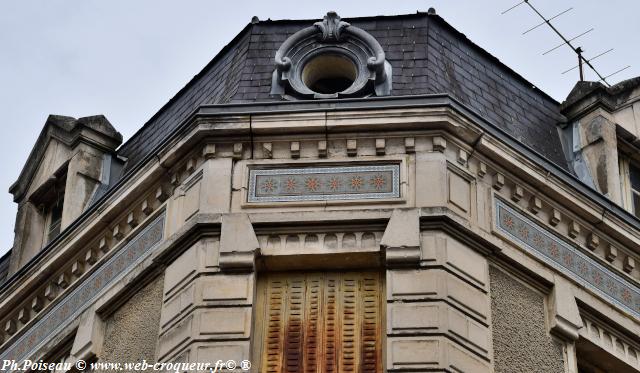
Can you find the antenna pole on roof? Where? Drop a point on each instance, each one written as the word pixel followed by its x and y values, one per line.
pixel 578 50
pixel 590 59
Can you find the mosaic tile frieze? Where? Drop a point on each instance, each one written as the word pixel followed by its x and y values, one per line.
pixel 76 302
pixel 324 183
pixel 566 258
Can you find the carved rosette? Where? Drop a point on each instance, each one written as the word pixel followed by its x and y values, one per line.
pixel 332 36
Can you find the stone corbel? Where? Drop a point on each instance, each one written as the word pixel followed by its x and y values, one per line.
pixel 564 316
pixel 401 238
pixel 238 243
pixel 89 337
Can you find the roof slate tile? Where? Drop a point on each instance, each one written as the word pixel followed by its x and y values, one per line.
pixel 427 56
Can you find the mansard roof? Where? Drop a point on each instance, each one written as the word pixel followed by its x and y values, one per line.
pixel 428 56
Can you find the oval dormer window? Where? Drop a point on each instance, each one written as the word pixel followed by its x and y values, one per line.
pixel 328 60
pixel 329 73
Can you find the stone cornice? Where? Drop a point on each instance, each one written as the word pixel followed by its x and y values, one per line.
pixel 435 115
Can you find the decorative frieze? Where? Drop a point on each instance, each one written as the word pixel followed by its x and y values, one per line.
pixel 146 208
pixel 463 157
pixel 324 183
pixel 574 229
pixel 209 151
pixel 629 264
pixel 37 303
pixel 517 193
pixel 91 257
pixel 24 315
pixel 175 179
pixel 535 204
pixel 10 327
pixel 610 340
pixel 237 150
pixel 63 280
pixel 380 146
pixel 81 297
pixel 593 241
pixel 410 145
pixel 352 147
pixel 498 181
pixel 611 253
pixel 294 147
pixel 439 144
pixel 77 268
pixel 132 220
pixel 50 291
pixel 191 165
pixel 267 150
pixel 103 245
pixel 162 194
pixel 566 258
pixel 325 242
pixel 555 217
pixel 117 232
pixel 482 169
pixel 322 149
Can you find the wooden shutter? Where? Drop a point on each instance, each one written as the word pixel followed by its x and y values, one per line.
pixel 320 322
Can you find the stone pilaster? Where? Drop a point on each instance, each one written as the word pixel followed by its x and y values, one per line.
pixel 208 297
pixel 438 313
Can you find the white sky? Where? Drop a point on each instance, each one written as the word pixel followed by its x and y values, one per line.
pixel 125 59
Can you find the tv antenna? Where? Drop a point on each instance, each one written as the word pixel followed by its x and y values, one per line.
pixel 582 61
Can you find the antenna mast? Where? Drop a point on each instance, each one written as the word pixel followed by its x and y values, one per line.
pixel 577 50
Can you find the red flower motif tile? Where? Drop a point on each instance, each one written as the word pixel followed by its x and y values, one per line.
pixel 356 182
pixel 312 184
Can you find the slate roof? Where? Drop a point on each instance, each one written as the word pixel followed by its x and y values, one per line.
pixel 427 54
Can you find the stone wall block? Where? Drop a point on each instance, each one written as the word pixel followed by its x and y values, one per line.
pixel 438 318
pixel 431 176
pixel 433 284
pixel 422 354
pixel 440 249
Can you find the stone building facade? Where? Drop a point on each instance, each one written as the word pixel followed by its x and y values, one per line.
pixel 376 194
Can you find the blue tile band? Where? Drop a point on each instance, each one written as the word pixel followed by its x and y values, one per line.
pixel 567 259
pixel 76 302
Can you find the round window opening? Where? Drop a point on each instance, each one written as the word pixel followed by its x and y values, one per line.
pixel 329 73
